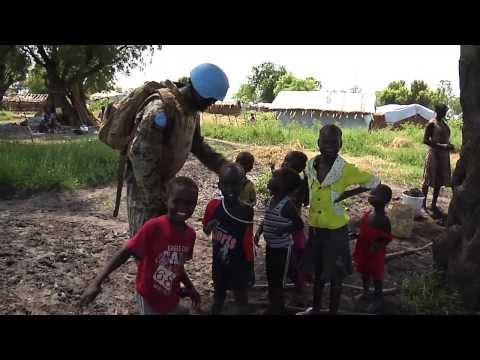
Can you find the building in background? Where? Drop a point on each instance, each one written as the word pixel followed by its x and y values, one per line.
pixel 343 108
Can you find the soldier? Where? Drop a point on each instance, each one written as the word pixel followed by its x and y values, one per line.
pixel 168 130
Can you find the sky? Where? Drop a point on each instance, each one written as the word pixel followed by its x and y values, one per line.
pixel 338 67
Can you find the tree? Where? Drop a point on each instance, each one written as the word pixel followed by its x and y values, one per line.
pixel 35 82
pixel 72 71
pixel 13 67
pixel 395 93
pixel 421 94
pixel 458 253
pixel 246 93
pixel 292 83
pixel 264 79
pixel 444 94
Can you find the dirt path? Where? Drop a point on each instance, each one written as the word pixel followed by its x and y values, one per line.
pixel 53 243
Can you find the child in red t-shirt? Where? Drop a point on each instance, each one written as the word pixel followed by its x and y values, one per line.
pixel 230 222
pixel 161 246
pixel 370 251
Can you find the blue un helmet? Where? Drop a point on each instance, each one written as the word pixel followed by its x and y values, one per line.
pixel 209 81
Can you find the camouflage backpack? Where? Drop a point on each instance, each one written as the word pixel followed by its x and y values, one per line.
pixel 118 121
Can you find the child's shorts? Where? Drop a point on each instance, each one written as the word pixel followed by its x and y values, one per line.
pixel 237 276
pixel 146 309
pixel 277 262
pixel 328 253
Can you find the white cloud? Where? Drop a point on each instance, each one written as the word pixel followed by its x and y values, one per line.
pixel 371 67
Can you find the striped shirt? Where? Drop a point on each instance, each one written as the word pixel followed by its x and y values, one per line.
pixel 274 223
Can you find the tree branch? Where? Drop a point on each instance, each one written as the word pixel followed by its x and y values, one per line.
pixel 44 55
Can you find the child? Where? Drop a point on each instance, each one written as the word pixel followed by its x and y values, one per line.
pixel 297 160
pixel 248 194
pixel 281 221
pixel 231 223
pixel 161 246
pixel 329 175
pixel 375 234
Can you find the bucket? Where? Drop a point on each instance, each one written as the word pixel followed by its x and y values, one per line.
pixel 415 202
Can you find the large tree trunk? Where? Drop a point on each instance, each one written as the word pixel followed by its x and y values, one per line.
pixel 57 90
pixel 458 253
pixel 71 99
pixel 77 97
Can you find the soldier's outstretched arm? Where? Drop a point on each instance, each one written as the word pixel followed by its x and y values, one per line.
pixel 204 152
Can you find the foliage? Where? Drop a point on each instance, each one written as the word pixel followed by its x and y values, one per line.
pixel 35 83
pixel 6 115
pixel 96 106
pixel 261 185
pixel 292 83
pixel 94 66
pixel 246 93
pixel 419 92
pixel 13 67
pixel 430 295
pixel 261 83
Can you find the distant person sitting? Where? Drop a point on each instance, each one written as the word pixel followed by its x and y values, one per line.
pixel 43 125
pixel 52 120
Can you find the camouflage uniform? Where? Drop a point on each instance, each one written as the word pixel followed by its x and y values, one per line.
pixel 155 155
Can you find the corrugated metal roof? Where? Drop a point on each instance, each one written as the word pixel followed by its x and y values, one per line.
pixel 28 98
pixel 324 100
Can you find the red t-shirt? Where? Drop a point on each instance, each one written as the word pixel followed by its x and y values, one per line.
pixel 162 251
pixel 367 261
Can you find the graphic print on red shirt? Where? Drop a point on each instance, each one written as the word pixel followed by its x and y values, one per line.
pixel 162 251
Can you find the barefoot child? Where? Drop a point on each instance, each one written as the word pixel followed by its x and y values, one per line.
pixel 161 246
pixel 231 223
pixel 281 221
pixel 297 160
pixel 248 194
pixel 375 234
pixel 329 175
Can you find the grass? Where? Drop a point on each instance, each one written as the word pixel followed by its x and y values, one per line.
pixel 6 115
pixel 68 164
pixel 395 155
pixel 429 295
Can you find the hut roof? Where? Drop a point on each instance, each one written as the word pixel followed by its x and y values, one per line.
pixel 323 100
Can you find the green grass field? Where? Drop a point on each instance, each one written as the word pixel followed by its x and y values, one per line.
pixel 396 155
pixel 43 166
pixel 6 115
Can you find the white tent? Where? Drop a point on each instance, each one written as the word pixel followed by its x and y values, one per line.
pixel 395 113
pixel 327 107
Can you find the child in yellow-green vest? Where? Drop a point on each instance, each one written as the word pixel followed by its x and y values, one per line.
pixel 329 176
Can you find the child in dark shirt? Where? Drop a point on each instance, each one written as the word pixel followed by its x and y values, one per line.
pixel 281 221
pixel 231 224
pixel 297 160
pixel 370 248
